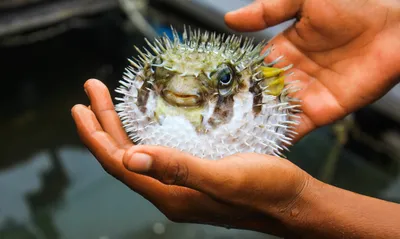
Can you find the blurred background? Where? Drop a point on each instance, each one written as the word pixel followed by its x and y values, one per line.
pixel 51 187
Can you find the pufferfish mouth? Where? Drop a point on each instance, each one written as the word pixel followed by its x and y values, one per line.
pixel 179 99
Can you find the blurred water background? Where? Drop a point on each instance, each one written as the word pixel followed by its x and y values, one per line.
pixel 51 187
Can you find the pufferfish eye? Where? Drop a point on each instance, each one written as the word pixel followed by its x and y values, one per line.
pixel 223 77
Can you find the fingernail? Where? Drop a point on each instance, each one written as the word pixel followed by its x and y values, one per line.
pixel 139 162
pixel 75 109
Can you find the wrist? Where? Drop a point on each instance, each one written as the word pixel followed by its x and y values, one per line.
pixel 299 215
pixel 325 211
pixel 317 212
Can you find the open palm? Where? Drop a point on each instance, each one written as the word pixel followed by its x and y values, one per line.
pixel 343 51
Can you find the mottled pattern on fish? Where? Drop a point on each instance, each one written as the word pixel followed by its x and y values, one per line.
pixel 209 95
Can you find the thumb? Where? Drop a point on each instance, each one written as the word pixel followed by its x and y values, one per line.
pixel 168 165
pixel 261 14
pixel 233 179
pixel 173 167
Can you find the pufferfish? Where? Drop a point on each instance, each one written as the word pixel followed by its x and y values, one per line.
pixel 208 94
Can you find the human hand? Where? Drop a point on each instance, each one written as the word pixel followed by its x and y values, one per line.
pixel 246 191
pixel 344 51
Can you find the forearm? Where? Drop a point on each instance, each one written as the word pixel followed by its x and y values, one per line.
pixel 324 211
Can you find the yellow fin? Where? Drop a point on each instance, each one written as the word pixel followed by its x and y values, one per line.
pixel 274 82
pixel 270 71
pixel 275 85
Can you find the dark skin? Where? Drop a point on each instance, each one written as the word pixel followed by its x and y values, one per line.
pixel 344 55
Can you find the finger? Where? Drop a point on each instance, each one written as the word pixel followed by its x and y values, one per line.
pixel 102 106
pixel 173 167
pixel 262 14
pixel 168 165
pixel 110 155
pixel 100 143
pixel 218 179
pixel 103 147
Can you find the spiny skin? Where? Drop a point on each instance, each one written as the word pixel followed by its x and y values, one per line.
pixel 208 95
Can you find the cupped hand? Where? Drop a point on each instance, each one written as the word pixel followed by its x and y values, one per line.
pixel 344 51
pixel 246 191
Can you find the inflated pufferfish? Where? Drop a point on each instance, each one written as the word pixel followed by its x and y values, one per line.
pixel 207 94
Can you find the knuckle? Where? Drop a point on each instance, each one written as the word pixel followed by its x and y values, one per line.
pixel 175 173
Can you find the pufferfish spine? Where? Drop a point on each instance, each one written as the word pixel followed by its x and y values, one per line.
pixel 208 94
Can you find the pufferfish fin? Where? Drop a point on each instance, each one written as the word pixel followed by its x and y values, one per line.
pixel 271 71
pixel 274 82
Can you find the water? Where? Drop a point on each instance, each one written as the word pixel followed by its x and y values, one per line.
pixel 51 187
